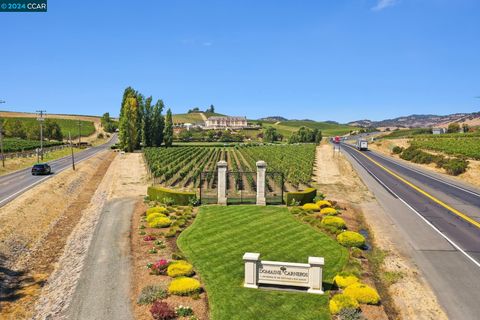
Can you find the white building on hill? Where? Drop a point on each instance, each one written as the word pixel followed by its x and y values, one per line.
pixel 226 123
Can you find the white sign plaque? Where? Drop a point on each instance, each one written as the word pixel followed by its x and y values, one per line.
pixel 307 275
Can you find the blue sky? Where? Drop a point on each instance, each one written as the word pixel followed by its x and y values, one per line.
pixel 337 60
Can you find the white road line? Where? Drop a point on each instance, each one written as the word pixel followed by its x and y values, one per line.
pixel 422 217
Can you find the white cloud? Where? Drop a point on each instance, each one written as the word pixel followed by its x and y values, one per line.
pixel 383 4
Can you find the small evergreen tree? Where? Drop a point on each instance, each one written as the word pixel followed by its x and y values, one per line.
pixel 147 123
pixel 168 132
pixel 158 124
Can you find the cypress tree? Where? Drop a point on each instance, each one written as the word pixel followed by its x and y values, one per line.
pixel 158 124
pixel 168 132
pixel 147 123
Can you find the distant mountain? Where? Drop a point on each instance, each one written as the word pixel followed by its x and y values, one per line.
pixel 273 119
pixel 421 121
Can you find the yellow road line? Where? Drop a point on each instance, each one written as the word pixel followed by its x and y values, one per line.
pixel 426 194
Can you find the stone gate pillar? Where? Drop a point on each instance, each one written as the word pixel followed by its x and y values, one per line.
pixel 222 183
pixel 261 195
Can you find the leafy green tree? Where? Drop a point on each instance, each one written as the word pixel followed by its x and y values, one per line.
pixel 108 124
pixel 270 135
pixel 139 119
pixel 147 123
pixel 465 128
pixel 210 109
pixel 453 127
pixel 293 138
pixel 318 136
pixel 14 128
pixel 168 131
pixel 185 135
pixel 52 130
pixel 128 124
pixel 158 124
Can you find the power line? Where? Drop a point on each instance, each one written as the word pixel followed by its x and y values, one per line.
pixel 41 119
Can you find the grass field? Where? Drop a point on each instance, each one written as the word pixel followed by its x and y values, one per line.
pixel 66 125
pixel 219 237
pixel 286 128
pixel 187 118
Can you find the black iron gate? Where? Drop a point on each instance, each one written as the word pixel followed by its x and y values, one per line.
pixel 241 187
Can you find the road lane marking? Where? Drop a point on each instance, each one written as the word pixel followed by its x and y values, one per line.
pixel 426 194
pixel 456 246
pixel 426 175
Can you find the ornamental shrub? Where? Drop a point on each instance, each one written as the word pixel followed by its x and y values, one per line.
pixel 329 211
pixel 156 210
pixel 351 239
pixel 153 216
pixel 324 203
pixel 362 293
pixel 336 222
pixel 161 222
pixel 161 311
pixel 179 268
pixel 397 150
pixel 159 267
pixel 344 280
pixel 342 301
pixel 311 207
pixel 184 286
pixel 150 294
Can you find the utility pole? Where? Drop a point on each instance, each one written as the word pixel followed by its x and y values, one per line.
pixel 1 139
pixel 79 132
pixel 71 148
pixel 41 119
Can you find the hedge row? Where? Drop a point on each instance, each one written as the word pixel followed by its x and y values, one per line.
pixel 180 198
pixel 302 197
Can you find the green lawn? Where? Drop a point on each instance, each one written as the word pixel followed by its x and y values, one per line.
pixel 219 237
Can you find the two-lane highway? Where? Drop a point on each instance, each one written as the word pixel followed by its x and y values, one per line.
pixel 438 219
pixel 14 184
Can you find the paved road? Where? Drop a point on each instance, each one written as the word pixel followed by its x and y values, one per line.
pixel 14 184
pixel 103 288
pixel 438 220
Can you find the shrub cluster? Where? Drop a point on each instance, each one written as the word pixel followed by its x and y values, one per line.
pixel 156 210
pixel 362 293
pixel 331 221
pixel 184 286
pixel 155 215
pixel 345 280
pixel 180 268
pixel 310 207
pixel 397 150
pixel 160 310
pixel 323 203
pixel 329 212
pixel 351 239
pixel 161 222
pixel 340 302
pixel 150 294
pixel 159 267
pixel 453 166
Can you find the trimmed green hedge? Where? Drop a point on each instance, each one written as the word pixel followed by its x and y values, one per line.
pixel 181 198
pixel 306 196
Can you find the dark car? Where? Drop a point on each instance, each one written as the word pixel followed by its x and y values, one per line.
pixel 41 168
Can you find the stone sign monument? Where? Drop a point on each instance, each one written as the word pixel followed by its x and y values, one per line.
pixel 286 274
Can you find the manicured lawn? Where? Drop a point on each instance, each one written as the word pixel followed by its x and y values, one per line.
pixel 219 237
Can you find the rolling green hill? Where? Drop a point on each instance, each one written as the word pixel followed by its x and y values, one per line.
pixel 286 128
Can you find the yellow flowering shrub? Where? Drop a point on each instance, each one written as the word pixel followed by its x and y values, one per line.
pixel 329 212
pixel 324 203
pixel 179 268
pixel 344 280
pixel 310 206
pixel 336 222
pixel 340 302
pixel 362 293
pixel 156 210
pixel 351 239
pixel 161 222
pixel 184 286
pixel 153 216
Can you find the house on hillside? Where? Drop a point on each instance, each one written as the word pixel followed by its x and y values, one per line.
pixel 438 130
pixel 226 123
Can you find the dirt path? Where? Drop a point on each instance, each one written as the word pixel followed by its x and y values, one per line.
pixel 91 278
pixel 412 296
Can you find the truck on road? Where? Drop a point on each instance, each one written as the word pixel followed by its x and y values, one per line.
pixel 362 144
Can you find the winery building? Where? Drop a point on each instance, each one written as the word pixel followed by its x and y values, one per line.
pixel 226 123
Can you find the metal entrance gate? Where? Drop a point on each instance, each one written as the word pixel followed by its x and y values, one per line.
pixel 241 187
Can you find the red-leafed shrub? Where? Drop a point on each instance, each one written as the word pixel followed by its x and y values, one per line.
pixel 159 267
pixel 149 238
pixel 161 311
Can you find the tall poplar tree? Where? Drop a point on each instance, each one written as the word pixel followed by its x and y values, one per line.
pixel 147 123
pixel 168 132
pixel 158 124
pixel 128 129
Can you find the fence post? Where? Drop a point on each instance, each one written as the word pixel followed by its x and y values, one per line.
pixel 222 182
pixel 261 169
